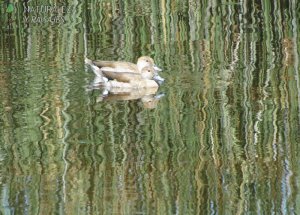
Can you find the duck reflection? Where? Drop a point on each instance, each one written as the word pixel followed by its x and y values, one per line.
pixel 148 98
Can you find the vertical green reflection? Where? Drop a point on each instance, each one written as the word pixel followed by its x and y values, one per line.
pixel 223 139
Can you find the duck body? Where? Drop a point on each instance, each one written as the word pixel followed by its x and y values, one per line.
pixel 134 84
pixel 129 80
pixel 117 66
pixel 122 66
pixel 146 73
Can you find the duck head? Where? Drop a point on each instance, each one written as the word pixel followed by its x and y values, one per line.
pixel 150 74
pixel 147 72
pixel 146 61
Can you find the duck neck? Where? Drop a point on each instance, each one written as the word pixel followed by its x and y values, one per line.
pixel 140 66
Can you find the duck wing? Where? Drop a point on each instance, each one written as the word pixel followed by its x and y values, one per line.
pixel 118 66
pixel 121 76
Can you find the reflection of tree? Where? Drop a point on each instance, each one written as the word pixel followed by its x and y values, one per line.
pixel 223 140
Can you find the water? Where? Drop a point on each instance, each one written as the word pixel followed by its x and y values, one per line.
pixel 223 140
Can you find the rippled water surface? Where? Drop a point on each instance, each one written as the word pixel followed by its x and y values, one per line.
pixel 224 138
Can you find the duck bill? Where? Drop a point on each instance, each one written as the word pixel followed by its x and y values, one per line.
pixel 158 78
pixel 156 68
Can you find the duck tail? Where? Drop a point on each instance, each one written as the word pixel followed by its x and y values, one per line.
pixel 99 81
pixel 88 61
pixel 97 71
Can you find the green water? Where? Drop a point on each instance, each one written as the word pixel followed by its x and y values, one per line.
pixel 223 140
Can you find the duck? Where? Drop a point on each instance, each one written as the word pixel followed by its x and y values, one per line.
pixel 122 66
pixel 128 81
